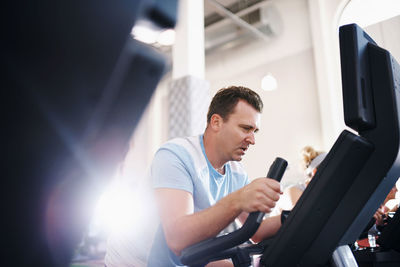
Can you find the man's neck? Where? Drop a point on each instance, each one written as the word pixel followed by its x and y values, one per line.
pixel 211 150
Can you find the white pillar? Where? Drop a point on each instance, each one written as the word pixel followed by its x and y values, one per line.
pixel 324 20
pixel 189 94
pixel 188 50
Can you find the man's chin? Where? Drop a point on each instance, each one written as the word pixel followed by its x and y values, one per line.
pixel 237 158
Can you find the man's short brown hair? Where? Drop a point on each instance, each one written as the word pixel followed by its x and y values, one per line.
pixel 226 99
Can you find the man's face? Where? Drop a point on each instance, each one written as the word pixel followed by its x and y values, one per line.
pixel 237 132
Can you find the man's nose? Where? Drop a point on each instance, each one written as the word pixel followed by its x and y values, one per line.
pixel 251 138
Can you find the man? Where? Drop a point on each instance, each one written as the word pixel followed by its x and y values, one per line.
pixel 200 185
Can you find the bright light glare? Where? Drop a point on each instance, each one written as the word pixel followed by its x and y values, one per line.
pixel 145 34
pixel 166 37
pixel 269 83
pixel 151 35
pixel 119 209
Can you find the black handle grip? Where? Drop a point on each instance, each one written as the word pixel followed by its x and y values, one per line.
pixel 277 169
pixel 202 252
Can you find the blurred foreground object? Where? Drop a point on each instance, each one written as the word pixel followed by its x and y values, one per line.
pixel 75 85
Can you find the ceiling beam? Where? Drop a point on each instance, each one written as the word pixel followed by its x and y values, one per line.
pixel 238 20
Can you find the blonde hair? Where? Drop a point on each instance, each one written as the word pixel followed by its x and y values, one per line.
pixel 308 153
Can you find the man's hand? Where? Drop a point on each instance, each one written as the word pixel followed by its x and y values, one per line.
pixel 260 195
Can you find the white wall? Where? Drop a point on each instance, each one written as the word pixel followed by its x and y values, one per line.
pixel 324 17
pixel 387 35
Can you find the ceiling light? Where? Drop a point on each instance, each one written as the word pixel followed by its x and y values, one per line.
pixel 269 83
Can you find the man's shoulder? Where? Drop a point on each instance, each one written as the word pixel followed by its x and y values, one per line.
pixel 187 149
pixel 183 144
pixel 183 141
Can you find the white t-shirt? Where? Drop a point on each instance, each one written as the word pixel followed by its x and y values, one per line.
pixel 182 164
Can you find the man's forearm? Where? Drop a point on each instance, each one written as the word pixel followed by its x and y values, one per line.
pixel 268 228
pixel 190 229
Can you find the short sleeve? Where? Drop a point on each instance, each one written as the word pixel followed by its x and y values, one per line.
pixel 168 170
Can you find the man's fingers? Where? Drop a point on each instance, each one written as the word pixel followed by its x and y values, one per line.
pixel 266 203
pixel 261 195
pixel 275 185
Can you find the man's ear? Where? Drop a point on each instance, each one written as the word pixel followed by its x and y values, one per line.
pixel 216 122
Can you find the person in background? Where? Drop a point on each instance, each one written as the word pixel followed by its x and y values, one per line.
pixel 377 223
pixel 201 186
pixel 310 160
pixel 382 213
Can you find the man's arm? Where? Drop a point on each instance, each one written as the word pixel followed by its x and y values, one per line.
pixel 267 229
pixel 183 228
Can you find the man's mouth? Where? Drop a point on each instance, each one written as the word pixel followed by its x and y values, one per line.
pixel 244 148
